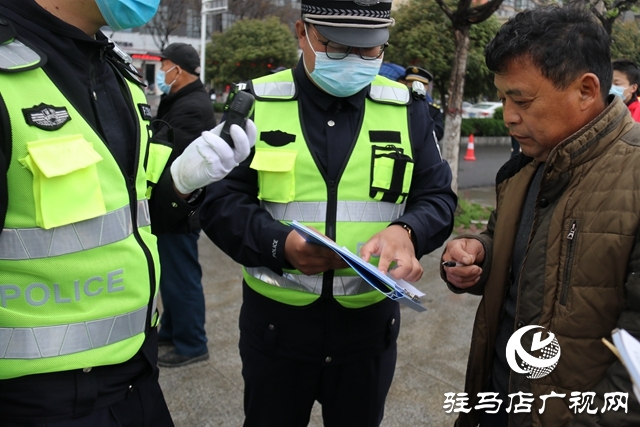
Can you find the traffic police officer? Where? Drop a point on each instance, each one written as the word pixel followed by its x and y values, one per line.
pixel 81 183
pixel 349 153
pixel 419 74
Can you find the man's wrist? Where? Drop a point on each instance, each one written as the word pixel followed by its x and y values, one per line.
pixel 409 231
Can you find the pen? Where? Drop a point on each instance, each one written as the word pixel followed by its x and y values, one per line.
pixel 452 264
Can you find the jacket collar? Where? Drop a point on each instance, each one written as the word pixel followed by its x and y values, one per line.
pixel 185 90
pixel 592 139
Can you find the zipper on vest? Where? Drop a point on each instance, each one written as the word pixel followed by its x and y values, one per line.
pixel 133 202
pixel 566 278
pixel 332 209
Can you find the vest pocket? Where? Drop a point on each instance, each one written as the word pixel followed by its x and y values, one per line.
pixel 66 186
pixel 276 174
pixel 391 172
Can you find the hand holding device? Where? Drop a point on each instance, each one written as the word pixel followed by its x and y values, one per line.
pixel 238 110
pixel 209 158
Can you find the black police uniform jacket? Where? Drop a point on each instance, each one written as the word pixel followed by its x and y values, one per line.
pixel 78 65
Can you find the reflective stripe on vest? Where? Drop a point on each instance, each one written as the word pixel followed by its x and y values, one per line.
pixel 351 211
pixel 32 243
pixel 51 341
pixel 275 89
pixel 342 285
pixel 389 94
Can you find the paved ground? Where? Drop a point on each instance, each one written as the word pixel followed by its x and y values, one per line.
pixel 432 347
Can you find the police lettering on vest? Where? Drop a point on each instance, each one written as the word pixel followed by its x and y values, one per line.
pixel 39 294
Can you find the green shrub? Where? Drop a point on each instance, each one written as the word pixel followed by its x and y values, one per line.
pixel 468 213
pixel 483 127
pixel 466 127
pixel 498 114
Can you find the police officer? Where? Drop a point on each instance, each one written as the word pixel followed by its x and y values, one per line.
pixel 418 74
pixel 81 182
pixel 349 153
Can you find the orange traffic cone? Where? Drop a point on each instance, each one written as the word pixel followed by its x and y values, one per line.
pixel 470 156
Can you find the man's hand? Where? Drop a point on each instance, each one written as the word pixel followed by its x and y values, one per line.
pixel 209 158
pixel 394 244
pixel 309 258
pixel 467 252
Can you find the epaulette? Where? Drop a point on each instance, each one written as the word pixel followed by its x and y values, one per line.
pixel 435 105
pixel 17 55
pixel 123 62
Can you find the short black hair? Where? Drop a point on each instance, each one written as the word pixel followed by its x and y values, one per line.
pixel 629 69
pixel 563 42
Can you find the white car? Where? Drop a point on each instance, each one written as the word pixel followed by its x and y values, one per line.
pixel 465 107
pixel 482 110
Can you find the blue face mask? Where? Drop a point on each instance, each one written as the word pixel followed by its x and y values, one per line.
pixel 122 14
pixel 344 77
pixel 618 91
pixel 161 83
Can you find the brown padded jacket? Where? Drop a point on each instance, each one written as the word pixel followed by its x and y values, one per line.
pixel 579 286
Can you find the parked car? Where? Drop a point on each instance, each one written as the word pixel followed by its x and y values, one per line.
pixel 465 108
pixel 482 110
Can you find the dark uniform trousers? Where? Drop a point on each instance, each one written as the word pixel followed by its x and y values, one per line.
pixel 139 404
pixel 292 356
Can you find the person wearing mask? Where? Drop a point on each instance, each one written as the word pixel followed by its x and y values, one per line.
pixel 626 78
pixel 347 152
pixel 557 265
pixel 81 182
pixel 419 74
pixel 185 111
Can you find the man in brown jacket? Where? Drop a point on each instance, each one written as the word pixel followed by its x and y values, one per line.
pixel 561 250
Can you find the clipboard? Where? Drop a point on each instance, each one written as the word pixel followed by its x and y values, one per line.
pixel 397 290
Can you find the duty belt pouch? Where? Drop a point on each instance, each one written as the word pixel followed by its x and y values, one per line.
pixel 391 172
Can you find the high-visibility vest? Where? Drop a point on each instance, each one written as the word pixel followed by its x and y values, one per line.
pixel 370 193
pixel 79 266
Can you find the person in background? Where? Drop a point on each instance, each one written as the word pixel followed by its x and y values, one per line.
pixel 347 152
pixel 419 74
pixel 558 261
pixel 626 78
pixel 81 182
pixel 185 111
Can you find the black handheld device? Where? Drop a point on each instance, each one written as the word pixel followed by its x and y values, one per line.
pixel 240 107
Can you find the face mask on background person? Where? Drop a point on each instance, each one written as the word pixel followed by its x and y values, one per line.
pixel 123 14
pixel 343 77
pixel 161 83
pixel 618 91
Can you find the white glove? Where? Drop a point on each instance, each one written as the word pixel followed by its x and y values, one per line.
pixel 209 158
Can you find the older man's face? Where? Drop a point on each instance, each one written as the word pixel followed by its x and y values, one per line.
pixel 537 114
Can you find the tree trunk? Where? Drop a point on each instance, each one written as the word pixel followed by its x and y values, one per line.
pixel 453 112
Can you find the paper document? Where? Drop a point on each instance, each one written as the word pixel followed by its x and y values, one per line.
pixel 627 348
pixel 398 290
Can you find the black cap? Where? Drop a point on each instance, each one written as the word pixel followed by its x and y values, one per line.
pixel 413 74
pixel 357 23
pixel 184 55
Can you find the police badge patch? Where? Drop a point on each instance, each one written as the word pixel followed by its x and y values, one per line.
pixel 46 117
pixel 145 111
